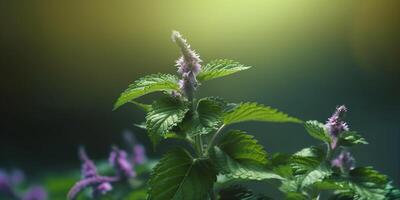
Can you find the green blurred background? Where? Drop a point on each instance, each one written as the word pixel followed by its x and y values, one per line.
pixel 63 63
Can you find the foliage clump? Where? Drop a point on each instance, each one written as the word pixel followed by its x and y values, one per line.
pixel 220 159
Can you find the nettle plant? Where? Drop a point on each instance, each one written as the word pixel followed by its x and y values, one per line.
pixel 217 160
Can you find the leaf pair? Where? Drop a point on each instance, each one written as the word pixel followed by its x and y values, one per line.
pixel 169 83
pixel 318 131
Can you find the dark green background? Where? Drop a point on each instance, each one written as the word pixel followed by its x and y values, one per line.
pixel 63 63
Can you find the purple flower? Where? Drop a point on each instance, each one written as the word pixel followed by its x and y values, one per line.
pixel 119 160
pixel 188 84
pixel 189 65
pixel 88 168
pixel 35 193
pixel 139 154
pixel 102 189
pixel 7 185
pixel 335 125
pixel 190 60
pixel 99 184
pixel 344 161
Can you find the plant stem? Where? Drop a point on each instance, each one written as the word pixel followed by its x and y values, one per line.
pixel 328 151
pixel 211 142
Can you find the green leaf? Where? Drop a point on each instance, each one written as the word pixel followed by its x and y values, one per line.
pixel 179 176
pixel 220 68
pixel 279 163
pixel 284 171
pixel 290 185
pixel 350 138
pixel 329 184
pixel 236 192
pixel 296 196
pixel 164 115
pixel 313 151
pixel 306 160
pixel 141 125
pixel 210 112
pixel 392 192
pixel 206 120
pixel 316 175
pixel 256 112
pixel 366 191
pixel 342 196
pixel 368 183
pixel 146 85
pixel 368 174
pixel 140 194
pixel 239 156
pixel 192 126
pixel 317 131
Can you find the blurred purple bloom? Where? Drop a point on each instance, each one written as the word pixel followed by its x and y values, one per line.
pixel 35 193
pixel 188 84
pixel 189 65
pixel 119 160
pixel 6 185
pixel 335 125
pixel 101 189
pixel 90 178
pixel 139 154
pixel 96 182
pixel 88 167
pixel 17 176
pixel 344 161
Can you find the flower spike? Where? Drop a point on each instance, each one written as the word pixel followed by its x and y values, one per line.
pixel 335 125
pixel 119 160
pixel 90 178
pixel 190 60
pixel 88 167
pixel 189 65
pixel 94 182
pixel 344 161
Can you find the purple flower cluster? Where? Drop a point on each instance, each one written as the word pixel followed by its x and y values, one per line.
pixel 119 160
pixel 344 161
pixel 9 182
pixel 137 152
pixel 335 125
pixel 35 193
pixel 189 65
pixel 90 178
